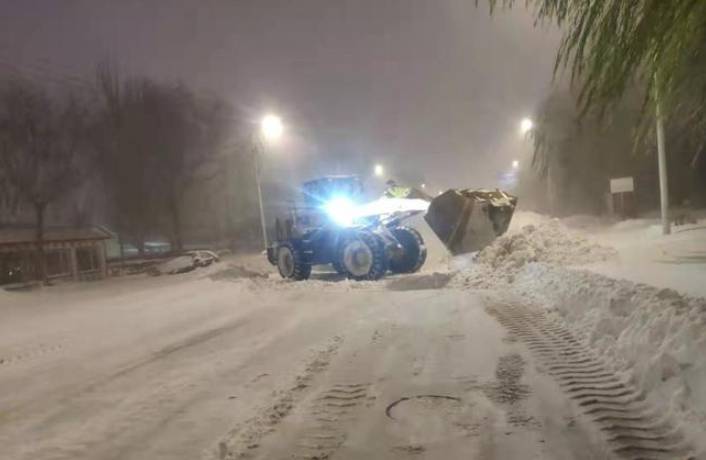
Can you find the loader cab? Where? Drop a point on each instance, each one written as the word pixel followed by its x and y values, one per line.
pixel 328 189
pixel 329 201
pixel 324 204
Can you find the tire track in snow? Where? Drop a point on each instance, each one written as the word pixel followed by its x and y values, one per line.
pixel 245 440
pixel 633 429
pixel 96 383
pixel 31 353
pixel 327 420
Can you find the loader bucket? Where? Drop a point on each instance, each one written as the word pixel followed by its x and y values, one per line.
pixel 469 220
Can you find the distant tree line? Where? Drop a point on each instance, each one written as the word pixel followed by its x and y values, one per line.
pixel 624 59
pixel 140 144
pixel 576 153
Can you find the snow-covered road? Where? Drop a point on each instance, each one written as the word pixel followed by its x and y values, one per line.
pixel 190 367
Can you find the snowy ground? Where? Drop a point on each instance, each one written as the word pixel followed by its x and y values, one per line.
pixel 515 356
pixel 677 261
pixel 186 367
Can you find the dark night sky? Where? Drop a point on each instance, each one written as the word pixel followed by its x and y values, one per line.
pixel 433 89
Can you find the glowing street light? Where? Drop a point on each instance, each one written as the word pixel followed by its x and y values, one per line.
pixel 424 185
pixel 526 125
pixel 271 128
pixel 379 170
pixel 515 164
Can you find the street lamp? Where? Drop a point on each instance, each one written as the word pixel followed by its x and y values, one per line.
pixel 271 129
pixel 526 125
pixel 515 164
pixel 379 170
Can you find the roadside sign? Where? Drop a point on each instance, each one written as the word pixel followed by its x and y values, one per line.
pixel 622 185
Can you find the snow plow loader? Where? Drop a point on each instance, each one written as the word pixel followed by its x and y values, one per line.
pixel 365 241
pixel 362 242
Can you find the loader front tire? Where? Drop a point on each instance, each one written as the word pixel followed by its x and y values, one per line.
pixel 413 254
pixel 291 263
pixel 362 256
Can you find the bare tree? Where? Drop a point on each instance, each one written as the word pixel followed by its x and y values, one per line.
pixel 154 140
pixel 190 131
pixel 41 144
pixel 124 158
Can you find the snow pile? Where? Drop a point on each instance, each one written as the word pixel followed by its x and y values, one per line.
pixel 236 272
pixel 523 218
pixel 181 264
pixel 657 336
pixel 549 242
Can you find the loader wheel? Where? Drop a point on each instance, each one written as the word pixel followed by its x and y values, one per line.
pixel 291 264
pixel 362 255
pixel 413 254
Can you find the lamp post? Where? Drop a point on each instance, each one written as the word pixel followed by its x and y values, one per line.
pixel 662 164
pixel 271 129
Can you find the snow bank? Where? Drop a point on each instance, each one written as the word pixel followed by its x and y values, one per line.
pixel 655 336
pixel 522 218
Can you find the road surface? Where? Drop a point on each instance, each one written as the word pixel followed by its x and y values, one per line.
pixel 197 367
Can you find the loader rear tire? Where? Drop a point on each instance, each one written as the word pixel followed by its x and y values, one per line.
pixel 414 252
pixel 291 263
pixel 362 256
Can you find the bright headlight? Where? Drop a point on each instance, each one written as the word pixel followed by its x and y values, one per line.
pixel 341 210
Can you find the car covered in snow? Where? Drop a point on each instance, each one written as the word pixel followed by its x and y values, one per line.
pixel 203 257
pixel 186 262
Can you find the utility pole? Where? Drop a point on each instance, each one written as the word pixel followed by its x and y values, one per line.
pixel 229 179
pixel 662 162
pixel 550 189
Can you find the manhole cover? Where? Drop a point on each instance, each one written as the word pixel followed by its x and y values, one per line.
pixel 409 405
pixel 431 419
